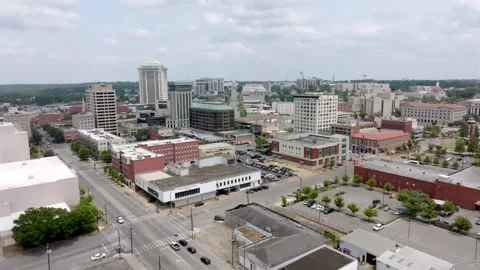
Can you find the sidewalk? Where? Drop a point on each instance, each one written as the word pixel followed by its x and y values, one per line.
pixel 133 261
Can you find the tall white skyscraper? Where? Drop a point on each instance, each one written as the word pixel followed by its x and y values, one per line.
pixel 101 101
pixel 314 112
pixel 152 82
pixel 180 99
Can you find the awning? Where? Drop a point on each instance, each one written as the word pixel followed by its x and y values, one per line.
pixel 477 203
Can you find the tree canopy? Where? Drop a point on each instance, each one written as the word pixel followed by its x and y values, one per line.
pixel 416 202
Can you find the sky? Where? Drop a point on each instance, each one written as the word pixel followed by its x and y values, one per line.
pixel 71 41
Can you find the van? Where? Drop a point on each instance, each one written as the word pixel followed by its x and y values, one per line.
pixel 414 162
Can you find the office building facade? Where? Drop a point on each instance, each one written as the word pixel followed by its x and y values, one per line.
pixel 314 112
pixel 209 86
pixel 152 83
pixel 180 99
pixel 427 113
pixel 101 102
pixel 212 117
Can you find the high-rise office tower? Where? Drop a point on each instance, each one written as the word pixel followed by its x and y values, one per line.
pixel 101 101
pixel 314 112
pixel 180 99
pixel 152 82
pixel 209 86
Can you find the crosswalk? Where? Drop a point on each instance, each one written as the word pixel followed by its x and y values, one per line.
pixel 161 243
pixel 175 220
pixel 112 237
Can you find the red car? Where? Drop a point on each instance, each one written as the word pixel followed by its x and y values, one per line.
pixel 192 250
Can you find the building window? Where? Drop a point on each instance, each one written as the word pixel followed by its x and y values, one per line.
pixel 187 193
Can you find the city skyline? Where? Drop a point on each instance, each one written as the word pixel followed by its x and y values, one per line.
pixel 242 39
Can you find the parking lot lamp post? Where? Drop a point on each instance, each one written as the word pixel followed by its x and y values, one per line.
pixel 409 221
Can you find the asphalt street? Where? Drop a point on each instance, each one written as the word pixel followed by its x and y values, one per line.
pixel 150 231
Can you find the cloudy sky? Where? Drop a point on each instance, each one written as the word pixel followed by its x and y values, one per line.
pixel 60 41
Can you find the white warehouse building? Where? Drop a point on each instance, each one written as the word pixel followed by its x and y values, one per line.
pixel 46 182
pixel 187 184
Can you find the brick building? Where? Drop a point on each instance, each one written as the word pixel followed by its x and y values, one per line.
pixel 134 160
pixel 311 150
pixel 345 107
pixel 47 118
pixel 460 187
pixel 379 141
pixel 397 124
pixel 349 127
pixel 159 132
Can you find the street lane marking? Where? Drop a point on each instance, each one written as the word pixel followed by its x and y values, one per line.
pixel 182 215
pixel 158 243
pixel 106 250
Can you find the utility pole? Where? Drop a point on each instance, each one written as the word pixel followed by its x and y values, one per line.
pixel 50 251
pixel 244 254
pixel 233 231
pixel 119 247
pixel 159 263
pixel 191 220
pixel 409 219
pixel 131 241
pixel 248 196
pixel 476 246
pixel 106 217
pixel 170 202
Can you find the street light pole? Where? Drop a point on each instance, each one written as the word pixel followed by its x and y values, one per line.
pixel 248 196
pixel 119 247
pixel 131 241
pixel 191 220
pixel 409 220
pixel 106 217
pixel 170 202
pixel 476 246
pixel 159 263
pixel 48 255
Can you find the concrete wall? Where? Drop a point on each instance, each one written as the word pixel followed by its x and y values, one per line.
pixel 13 144
pixel 353 251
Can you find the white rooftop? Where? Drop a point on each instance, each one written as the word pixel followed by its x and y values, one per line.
pixel 136 153
pixel 33 172
pixel 6 223
pixel 99 134
pixel 412 259
pixel 211 146
pixel 122 147
pixel 153 176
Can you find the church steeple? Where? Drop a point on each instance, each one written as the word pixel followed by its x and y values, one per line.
pixel 84 109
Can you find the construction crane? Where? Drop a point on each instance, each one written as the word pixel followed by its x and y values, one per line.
pixel 364 76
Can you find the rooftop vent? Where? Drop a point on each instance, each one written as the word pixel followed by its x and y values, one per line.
pixel 24 163
pixel 31 177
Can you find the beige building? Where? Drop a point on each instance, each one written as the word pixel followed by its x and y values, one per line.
pixel 215 149
pixel 127 129
pixel 101 102
pixel 21 120
pixel 83 121
pixel 152 82
pixel 98 140
pixel 427 113
pixel 287 108
pixel 314 112
pixel 13 144
pixel 383 105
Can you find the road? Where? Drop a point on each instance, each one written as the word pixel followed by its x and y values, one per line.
pixel 150 231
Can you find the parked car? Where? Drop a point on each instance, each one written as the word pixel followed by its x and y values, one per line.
pixel 175 246
pixel 378 227
pixel 398 212
pixel 218 218
pixel 205 260
pixel 386 208
pixel 120 220
pixel 152 199
pixel 328 210
pixel 192 250
pixel 393 196
pixel 264 187
pixel 183 242
pixel 99 256
pixel 198 204
pixel 477 222
pixel 376 201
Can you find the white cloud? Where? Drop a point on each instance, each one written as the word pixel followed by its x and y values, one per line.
pixel 42 14
pixel 473 4
pixel 240 48
pixel 366 29
pixel 155 5
pixel 15 49
pixel 162 50
pixel 55 56
pixel 139 32
pixel 210 55
pixel 114 44
pixel 217 18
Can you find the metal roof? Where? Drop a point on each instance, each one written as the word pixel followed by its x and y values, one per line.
pixel 372 243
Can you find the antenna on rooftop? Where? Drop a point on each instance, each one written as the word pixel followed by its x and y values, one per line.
pixel 364 76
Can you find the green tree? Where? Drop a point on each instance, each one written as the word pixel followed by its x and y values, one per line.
pixel 415 202
pixel 445 164
pixel 460 145
pixel 141 135
pixel 427 159
pixel 430 148
pixel 336 181
pixel 106 156
pixel 36 136
pixel 429 213
pixel 388 187
pixel 436 161
pixel 261 142
pixel 339 202
pixel 473 144
pixel 345 179
pixel 326 200
pixel 325 166
pixel 462 224
pixel 463 129
pixel 81 191
pixel 48 153
pixel 372 183
pixel 83 153
pixel 326 183
pixel 306 190
pixel 331 164
pixel 353 208
pixel 448 207
pixel 298 196
pixel 418 157
pixel 313 194
pixel 357 179
pixel 455 165
pixel 34 151
pixel 370 212
pixel 284 201
pixel 397 112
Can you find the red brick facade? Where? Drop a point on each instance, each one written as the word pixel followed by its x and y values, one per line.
pixel 47 118
pixel 344 107
pixel 405 126
pixel 462 196
pixel 129 170
pixel 175 152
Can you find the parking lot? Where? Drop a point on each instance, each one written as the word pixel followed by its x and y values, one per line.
pixel 270 172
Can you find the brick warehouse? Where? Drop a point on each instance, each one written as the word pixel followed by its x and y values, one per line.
pixel 460 187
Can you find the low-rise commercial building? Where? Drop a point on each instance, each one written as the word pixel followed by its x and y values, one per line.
pixel 427 113
pixel 253 93
pixel 98 140
pixel 266 240
pixel 387 254
pixel 127 129
pixel 379 141
pixel 69 133
pixel 83 121
pixel 212 117
pixel 311 150
pixel 175 150
pixel 46 182
pixel 159 132
pixel 350 126
pixel 237 136
pixel 47 118
pixel 287 108
pixel 215 149
pixel 13 144
pixel 473 106
pixel 187 184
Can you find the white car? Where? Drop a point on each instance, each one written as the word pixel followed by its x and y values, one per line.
pixel 314 206
pixel 320 208
pixel 99 256
pixel 175 246
pixel 120 220
pixel 378 227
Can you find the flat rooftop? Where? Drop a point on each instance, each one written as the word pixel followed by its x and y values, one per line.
pixel 211 106
pixel 123 147
pixel 467 177
pixel 421 172
pixel 289 239
pixel 412 259
pixel 98 135
pixel 211 146
pixel 33 172
pixel 372 243
pixel 137 153
pixel 197 175
pixel 250 234
pixel 328 258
